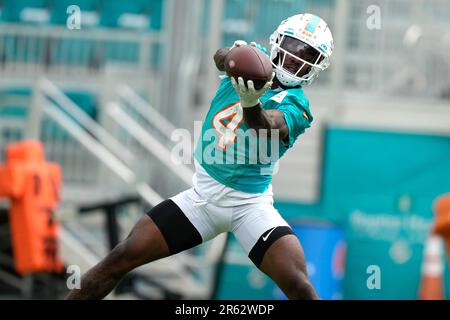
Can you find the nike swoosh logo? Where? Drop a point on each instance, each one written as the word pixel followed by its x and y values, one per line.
pixel 267 236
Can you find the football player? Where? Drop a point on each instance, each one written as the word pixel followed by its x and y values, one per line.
pixel 230 192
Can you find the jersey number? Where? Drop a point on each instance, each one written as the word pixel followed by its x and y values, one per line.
pixel 226 122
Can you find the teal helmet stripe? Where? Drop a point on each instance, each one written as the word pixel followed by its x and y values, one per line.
pixel 312 24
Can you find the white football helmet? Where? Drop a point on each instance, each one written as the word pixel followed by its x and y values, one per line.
pixel 304 35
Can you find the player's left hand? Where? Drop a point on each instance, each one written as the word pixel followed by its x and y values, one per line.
pixel 248 94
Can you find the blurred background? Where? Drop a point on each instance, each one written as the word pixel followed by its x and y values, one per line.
pixel 104 83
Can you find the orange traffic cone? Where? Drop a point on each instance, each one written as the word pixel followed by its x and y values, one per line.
pixel 442 220
pixel 431 283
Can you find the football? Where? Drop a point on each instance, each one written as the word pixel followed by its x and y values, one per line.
pixel 250 63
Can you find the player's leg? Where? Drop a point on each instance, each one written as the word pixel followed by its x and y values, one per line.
pixel 164 231
pixel 272 246
pixel 284 262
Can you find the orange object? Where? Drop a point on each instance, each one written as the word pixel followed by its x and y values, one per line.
pixel 442 218
pixel 33 188
pixel 431 282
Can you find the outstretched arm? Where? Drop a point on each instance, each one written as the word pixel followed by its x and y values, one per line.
pixel 254 116
pixel 257 118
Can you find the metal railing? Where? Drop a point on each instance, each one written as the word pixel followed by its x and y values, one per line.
pixel 79 144
pixel 149 128
pixel 60 51
pixel 145 110
pixel 109 159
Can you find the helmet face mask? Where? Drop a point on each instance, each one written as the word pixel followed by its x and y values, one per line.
pixel 298 59
pixel 298 52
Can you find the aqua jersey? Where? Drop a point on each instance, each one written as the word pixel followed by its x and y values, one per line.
pixel 238 157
